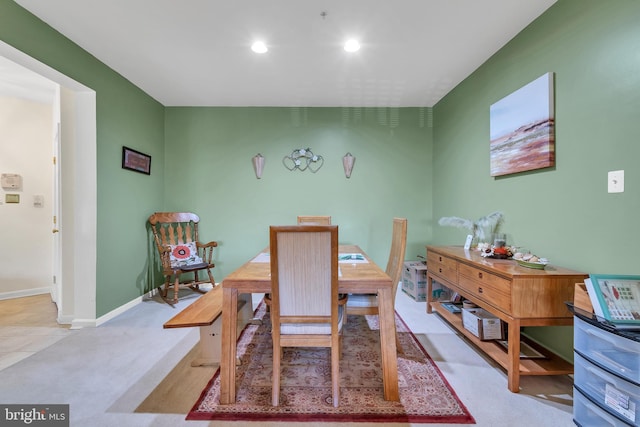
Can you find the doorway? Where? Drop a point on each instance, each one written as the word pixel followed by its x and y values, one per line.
pixel 76 266
pixel 27 117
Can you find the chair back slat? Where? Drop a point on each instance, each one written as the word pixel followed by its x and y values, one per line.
pixel 397 251
pixel 175 231
pixel 162 240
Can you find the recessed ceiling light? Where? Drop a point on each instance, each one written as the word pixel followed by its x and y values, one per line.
pixel 259 47
pixel 352 45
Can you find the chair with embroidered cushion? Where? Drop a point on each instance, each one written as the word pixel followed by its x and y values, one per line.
pixel 367 304
pixel 314 220
pixel 304 289
pixel 176 238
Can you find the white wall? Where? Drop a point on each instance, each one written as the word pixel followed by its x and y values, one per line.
pixel 26 242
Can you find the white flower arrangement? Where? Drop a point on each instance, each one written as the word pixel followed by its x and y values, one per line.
pixel 481 229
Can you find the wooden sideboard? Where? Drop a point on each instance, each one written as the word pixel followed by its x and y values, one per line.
pixel 519 296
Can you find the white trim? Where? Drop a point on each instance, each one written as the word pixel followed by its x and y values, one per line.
pixel 65 320
pixel 90 323
pixel 41 68
pixel 115 312
pixel 24 293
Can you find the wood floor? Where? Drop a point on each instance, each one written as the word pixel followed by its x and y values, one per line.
pixel 27 325
pixel 37 310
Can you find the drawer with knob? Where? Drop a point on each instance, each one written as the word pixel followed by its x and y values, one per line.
pixel 486 286
pixel 445 267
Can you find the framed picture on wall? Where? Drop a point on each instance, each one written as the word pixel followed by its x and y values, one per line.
pixel 522 129
pixel 136 161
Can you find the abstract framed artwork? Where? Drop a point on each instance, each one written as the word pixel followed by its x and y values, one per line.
pixel 136 161
pixel 522 129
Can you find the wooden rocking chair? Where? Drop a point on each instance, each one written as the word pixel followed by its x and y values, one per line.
pixel 176 237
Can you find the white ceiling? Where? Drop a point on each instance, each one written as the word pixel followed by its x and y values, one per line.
pixel 196 52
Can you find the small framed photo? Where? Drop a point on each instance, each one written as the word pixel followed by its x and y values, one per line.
pixel 136 161
pixel 467 243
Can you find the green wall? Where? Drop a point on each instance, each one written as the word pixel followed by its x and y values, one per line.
pixel 209 171
pixel 125 116
pixel 563 213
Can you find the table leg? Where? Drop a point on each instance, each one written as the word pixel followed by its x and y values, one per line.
pixel 228 353
pixel 513 363
pixel 386 314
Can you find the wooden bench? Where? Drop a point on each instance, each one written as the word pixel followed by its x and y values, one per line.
pixel 205 313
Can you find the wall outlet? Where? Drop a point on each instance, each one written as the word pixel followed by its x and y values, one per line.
pixel 616 181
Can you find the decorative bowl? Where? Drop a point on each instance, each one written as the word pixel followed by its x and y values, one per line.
pixel 536 265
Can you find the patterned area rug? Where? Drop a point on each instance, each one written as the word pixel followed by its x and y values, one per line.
pixel 425 396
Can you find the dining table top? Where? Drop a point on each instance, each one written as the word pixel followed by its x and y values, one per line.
pixel 354 275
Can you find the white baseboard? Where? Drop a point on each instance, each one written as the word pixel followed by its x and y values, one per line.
pixel 65 320
pixel 82 323
pixel 24 293
pixel 113 313
pixel 92 323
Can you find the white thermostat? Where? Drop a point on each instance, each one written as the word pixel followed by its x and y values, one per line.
pixel 11 181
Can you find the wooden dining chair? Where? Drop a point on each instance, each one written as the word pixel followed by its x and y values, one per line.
pixel 314 220
pixel 304 295
pixel 180 251
pixel 303 220
pixel 366 304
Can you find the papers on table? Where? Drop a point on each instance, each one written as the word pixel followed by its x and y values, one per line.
pixel 263 257
pixel 354 258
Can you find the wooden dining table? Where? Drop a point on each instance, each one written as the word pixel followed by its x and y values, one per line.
pixel 355 277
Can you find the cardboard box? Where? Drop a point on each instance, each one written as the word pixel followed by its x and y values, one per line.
pixel 417 291
pixel 414 280
pixel 416 271
pixel 482 324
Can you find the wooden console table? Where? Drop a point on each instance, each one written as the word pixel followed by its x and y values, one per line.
pixel 517 295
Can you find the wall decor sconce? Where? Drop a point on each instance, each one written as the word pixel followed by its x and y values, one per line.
pixel 347 161
pixel 303 159
pixel 258 164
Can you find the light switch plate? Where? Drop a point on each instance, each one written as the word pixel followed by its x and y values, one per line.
pixel 616 181
pixel 38 201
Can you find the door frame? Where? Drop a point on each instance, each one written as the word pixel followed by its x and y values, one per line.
pixel 78 190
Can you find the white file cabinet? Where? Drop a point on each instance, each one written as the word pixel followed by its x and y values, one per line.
pixel 607 375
